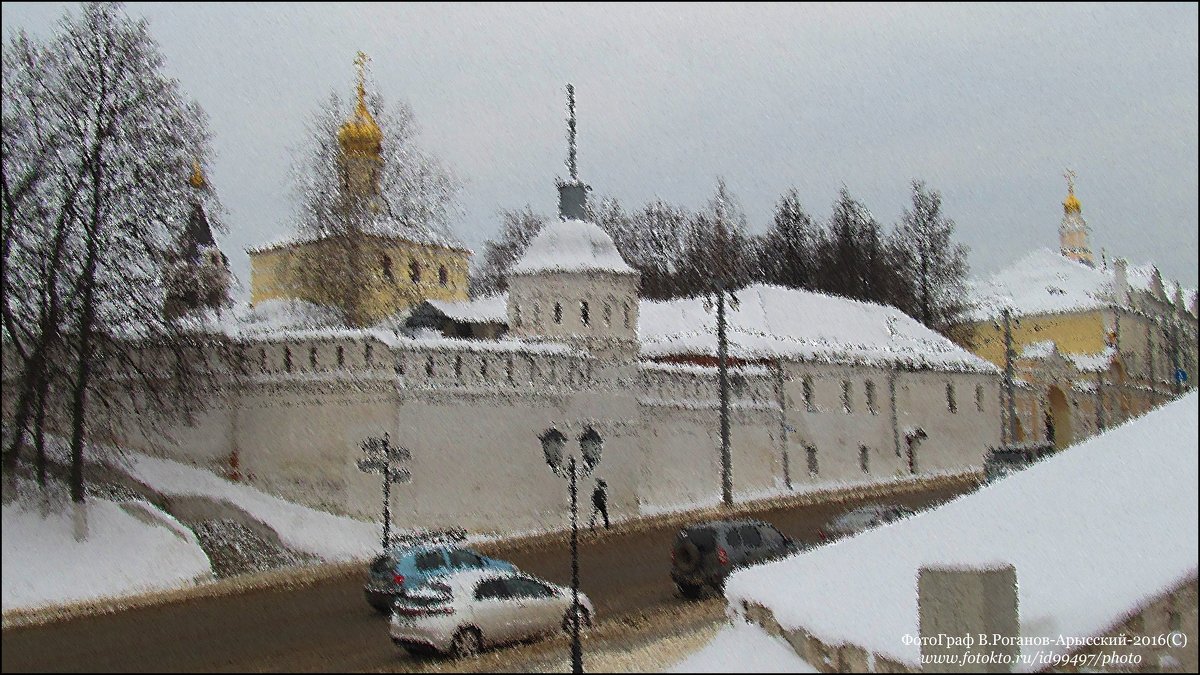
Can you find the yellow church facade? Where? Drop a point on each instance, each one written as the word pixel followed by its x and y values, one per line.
pixel 1090 346
pixel 367 265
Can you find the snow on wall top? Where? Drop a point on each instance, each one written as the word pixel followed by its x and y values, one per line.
pixel 1042 282
pixel 490 309
pixel 773 321
pixel 1039 350
pixel 571 246
pixel 1093 363
pixel 1094 533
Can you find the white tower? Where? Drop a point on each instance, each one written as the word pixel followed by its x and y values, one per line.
pixel 572 285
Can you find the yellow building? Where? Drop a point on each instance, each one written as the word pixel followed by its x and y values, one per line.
pixel 1090 346
pixel 367 264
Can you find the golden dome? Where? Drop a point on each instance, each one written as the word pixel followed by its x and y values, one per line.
pixel 197 178
pixel 360 135
pixel 1071 203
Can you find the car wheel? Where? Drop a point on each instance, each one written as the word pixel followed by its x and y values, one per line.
pixel 690 591
pixel 585 620
pixel 687 556
pixel 467 642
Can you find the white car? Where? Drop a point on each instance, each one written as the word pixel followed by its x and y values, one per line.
pixel 462 613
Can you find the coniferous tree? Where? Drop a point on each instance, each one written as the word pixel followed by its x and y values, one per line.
pixel 935 266
pixel 788 249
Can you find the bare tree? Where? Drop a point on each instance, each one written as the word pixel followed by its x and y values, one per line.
pixel 517 229
pixel 111 203
pixel 787 256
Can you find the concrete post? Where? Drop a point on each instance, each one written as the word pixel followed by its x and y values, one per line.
pixel 962 611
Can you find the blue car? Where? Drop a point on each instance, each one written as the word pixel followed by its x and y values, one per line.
pixel 406 567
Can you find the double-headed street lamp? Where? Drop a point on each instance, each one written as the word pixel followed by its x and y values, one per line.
pixel 379 457
pixel 571 466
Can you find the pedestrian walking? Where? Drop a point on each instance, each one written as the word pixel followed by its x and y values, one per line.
pixel 600 503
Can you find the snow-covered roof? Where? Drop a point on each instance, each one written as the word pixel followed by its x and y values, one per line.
pixel 1046 282
pixel 1095 533
pixel 782 322
pixel 571 246
pixel 381 226
pixel 489 309
pixel 1042 282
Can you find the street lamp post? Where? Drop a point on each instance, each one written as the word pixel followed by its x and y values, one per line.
pixel 379 455
pixel 554 446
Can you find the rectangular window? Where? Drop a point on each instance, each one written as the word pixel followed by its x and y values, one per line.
pixel 810 403
pixel 951 404
pixel 871 403
pixel 979 397
pixel 864 459
pixel 813 469
pixel 846 394
pixel 341 356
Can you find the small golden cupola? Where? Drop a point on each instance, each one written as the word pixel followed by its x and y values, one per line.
pixel 360 135
pixel 1071 203
pixel 1073 230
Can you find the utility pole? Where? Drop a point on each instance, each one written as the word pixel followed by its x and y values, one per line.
pixel 1009 354
pixel 781 394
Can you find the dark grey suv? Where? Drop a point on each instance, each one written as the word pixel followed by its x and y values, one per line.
pixel 705 553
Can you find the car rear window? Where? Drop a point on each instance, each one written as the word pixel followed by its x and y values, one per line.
pixel 703 537
pixel 751 536
pixel 733 537
pixel 430 560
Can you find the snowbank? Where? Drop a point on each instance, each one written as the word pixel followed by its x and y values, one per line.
pixel 1094 533
pixel 743 648
pixel 131 548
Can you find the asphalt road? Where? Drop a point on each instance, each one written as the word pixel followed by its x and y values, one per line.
pixel 329 627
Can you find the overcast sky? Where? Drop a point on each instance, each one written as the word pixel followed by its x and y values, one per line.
pixel 988 104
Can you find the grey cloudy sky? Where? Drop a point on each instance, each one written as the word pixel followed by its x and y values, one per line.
pixel 988 104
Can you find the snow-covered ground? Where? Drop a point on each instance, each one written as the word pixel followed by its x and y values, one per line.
pixel 743 648
pixel 128 555
pixel 1094 534
pixel 131 548
pixel 327 536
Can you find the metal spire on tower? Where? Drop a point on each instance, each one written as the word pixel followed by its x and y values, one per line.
pixel 572 167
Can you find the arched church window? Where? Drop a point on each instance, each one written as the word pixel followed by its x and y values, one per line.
pixel 951 404
pixel 312 357
pixel 558 312
pixel 429 366
pixel 367 356
pixel 414 272
pixel 607 315
pixel 341 356
pixel 287 359
pixel 584 314
pixel 386 261
pixel 625 306
pixel 516 315
pixel 458 367
pixel 443 276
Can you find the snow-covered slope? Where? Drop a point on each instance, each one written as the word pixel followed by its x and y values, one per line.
pixel 743 648
pixel 131 548
pixel 1094 533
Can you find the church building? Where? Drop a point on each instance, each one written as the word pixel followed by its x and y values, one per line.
pixel 364 260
